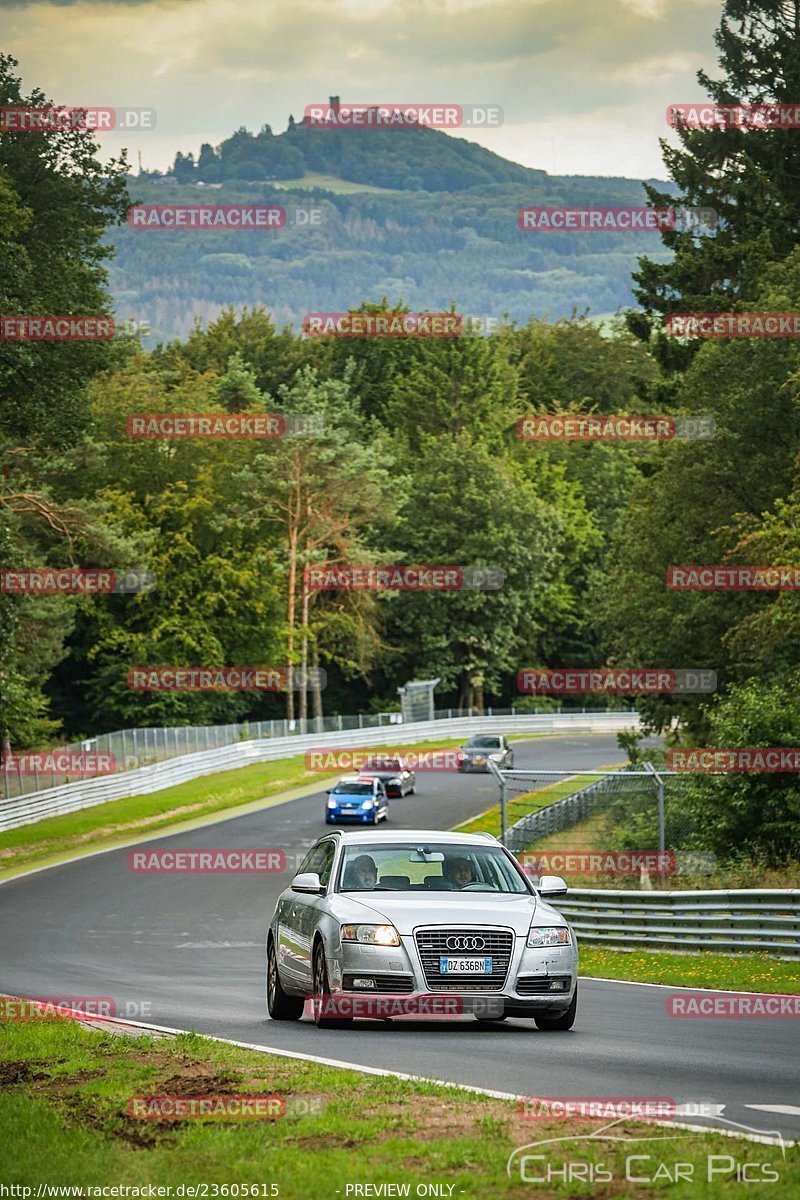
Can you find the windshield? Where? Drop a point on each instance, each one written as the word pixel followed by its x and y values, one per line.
pixel 434 867
pixel 484 743
pixel 353 789
pixel 384 766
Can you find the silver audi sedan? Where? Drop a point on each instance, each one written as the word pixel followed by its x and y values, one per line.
pixel 443 923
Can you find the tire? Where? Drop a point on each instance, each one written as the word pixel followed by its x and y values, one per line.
pixel 322 989
pixel 280 1006
pixel 562 1023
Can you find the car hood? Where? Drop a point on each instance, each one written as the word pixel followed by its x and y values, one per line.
pixel 481 750
pixel 407 911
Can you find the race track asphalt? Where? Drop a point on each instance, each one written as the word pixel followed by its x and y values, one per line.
pixel 187 951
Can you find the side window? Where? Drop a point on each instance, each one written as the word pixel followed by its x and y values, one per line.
pixel 306 864
pixel 327 853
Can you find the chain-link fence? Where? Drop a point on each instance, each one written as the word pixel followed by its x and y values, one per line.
pixel 605 827
pixel 126 749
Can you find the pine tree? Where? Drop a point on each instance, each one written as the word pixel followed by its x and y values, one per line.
pixel 749 177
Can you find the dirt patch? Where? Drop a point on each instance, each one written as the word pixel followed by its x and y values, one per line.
pixel 14 1073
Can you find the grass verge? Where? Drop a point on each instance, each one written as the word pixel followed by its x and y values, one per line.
pixel 66 1119
pixel 736 973
pixel 119 821
pixel 527 802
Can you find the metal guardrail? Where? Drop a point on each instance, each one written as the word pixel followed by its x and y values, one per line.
pixel 746 919
pixel 25 810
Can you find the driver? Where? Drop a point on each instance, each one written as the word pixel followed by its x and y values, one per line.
pixel 458 871
pixel 362 874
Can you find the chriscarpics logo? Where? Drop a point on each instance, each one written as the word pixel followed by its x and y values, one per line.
pixel 612 1154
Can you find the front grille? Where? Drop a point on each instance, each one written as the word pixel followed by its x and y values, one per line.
pixel 397 985
pixel 432 945
pixel 538 985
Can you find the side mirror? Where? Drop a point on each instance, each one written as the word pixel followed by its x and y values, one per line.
pixel 550 885
pixel 308 882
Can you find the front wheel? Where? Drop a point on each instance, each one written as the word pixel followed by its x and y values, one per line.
pixel 564 1022
pixel 322 995
pixel 280 1006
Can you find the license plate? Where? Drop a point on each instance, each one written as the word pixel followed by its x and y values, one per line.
pixel 481 762
pixel 465 966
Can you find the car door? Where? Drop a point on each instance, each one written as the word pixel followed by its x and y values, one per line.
pixel 290 950
pixel 382 800
pixel 310 910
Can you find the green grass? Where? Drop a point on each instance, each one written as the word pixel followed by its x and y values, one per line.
pixel 525 803
pixel 736 973
pixel 65 1117
pixel 332 183
pixel 118 821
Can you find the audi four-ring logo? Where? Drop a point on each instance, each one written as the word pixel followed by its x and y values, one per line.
pixel 466 941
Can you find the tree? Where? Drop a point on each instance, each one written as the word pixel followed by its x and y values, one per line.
pixel 748 176
pixel 317 490
pixel 751 814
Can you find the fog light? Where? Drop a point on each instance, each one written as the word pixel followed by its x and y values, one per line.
pixel 363 983
pixel 556 986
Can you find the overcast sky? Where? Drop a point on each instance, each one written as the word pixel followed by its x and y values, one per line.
pixel 583 84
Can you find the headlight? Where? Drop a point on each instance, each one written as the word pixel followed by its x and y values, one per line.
pixel 331 802
pixel 496 757
pixel 368 804
pixel 549 935
pixel 371 935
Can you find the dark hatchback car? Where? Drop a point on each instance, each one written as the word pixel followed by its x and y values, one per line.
pixel 393 772
pixel 475 754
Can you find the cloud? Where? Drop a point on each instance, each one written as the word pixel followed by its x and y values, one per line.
pixel 210 66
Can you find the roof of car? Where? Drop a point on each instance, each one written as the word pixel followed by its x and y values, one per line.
pixel 415 835
pixel 354 779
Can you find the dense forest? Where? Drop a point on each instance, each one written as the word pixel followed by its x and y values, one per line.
pixel 415 458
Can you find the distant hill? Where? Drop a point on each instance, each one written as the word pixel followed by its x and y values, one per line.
pixel 415 215
pixel 408 159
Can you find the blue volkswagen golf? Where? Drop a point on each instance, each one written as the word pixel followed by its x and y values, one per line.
pixel 358 798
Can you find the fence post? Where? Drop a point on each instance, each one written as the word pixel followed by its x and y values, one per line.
pixel 660 801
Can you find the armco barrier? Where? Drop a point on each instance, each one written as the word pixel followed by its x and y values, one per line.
pixel 726 921
pixel 25 810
